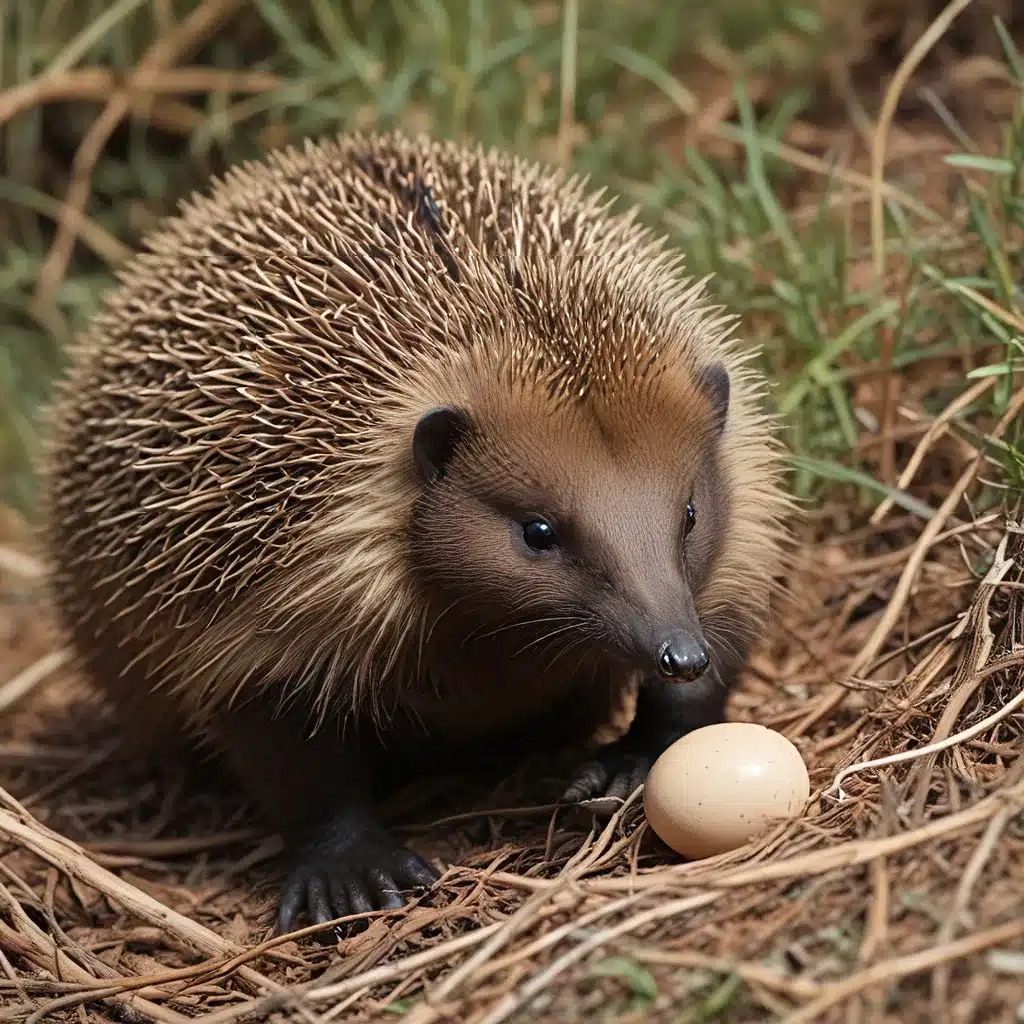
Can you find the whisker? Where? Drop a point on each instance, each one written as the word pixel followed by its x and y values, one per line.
pixel 718 643
pixel 517 624
pixel 547 637
pixel 587 633
pixel 566 651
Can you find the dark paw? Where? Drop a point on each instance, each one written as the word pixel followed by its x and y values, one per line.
pixel 615 773
pixel 338 873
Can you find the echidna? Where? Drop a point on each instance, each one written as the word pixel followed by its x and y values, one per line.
pixel 387 446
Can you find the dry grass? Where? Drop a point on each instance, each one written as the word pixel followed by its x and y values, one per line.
pixel 899 893
pixel 143 891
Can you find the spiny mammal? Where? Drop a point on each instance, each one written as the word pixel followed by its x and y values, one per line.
pixel 388 445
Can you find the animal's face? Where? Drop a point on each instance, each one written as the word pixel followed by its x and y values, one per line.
pixel 576 530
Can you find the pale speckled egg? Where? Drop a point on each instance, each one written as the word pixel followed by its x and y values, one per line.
pixel 719 786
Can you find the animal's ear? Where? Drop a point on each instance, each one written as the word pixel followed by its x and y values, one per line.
pixel 714 381
pixel 435 439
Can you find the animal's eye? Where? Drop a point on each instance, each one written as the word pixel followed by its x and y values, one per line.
pixel 539 535
pixel 691 518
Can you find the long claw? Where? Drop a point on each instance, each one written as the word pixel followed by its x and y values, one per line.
pixel 419 873
pixel 293 898
pixel 345 871
pixel 358 899
pixel 320 900
pixel 615 773
pixel 590 781
pixel 385 888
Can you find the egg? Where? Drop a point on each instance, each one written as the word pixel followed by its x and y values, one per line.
pixel 719 786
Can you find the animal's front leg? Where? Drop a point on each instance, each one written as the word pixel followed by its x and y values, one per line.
pixel 664 712
pixel 317 791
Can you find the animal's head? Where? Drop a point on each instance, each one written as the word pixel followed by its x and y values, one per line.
pixel 577 526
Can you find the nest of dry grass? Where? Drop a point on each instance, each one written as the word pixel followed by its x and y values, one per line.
pixel 124 883
pixel 143 892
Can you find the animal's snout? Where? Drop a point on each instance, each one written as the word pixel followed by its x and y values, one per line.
pixel 683 656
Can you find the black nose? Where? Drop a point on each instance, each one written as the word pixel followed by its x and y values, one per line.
pixel 683 656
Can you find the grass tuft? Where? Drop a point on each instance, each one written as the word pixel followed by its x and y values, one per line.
pixel 492 71
pixel 621 93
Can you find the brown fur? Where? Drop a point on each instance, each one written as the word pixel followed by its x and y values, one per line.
pixel 233 508
pixel 620 474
